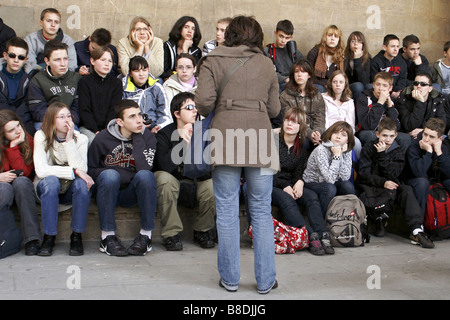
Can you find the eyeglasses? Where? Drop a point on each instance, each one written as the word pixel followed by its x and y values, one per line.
pixel 422 84
pixel 189 107
pixel 185 67
pixel 64 116
pixel 13 56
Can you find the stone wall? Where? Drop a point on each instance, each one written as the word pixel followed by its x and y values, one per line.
pixel 428 19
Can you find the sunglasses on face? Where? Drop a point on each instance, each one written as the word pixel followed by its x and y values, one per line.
pixel 189 107
pixel 422 84
pixel 13 56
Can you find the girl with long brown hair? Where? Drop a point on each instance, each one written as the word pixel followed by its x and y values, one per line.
pixel 16 172
pixel 289 188
pixel 339 104
pixel 60 158
pixel 357 63
pixel 300 92
pixel 327 56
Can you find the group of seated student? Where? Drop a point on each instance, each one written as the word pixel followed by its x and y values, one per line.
pixel 88 120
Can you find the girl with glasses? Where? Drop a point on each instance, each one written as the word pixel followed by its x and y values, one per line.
pixel 141 41
pixel 60 158
pixel 184 79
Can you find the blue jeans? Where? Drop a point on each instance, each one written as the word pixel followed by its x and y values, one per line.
pixel 78 195
pixel 226 181
pixel 357 88
pixel 327 191
pixel 140 191
pixel 292 213
pixel 321 88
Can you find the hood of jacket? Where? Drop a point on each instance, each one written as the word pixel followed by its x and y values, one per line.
pixel 114 129
pixel 173 82
pixel 129 86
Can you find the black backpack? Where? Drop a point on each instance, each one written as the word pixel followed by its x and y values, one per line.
pixel 379 202
pixel 10 234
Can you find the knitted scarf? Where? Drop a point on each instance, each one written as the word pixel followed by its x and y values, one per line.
pixel 321 68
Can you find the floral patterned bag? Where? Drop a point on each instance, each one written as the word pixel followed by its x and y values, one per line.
pixel 287 239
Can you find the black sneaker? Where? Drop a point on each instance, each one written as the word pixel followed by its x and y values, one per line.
pixel 32 248
pixel 326 243
pixel 315 246
pixel 47 246
pixel 76 244
pixel 203 239
pixel 422 239
pixel 112 247
pixel 173 243
pixel 142 244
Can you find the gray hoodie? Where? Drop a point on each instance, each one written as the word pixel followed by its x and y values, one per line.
pixel 36 44
pixel 111 150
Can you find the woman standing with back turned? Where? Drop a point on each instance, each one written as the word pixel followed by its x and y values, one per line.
pixel 247 103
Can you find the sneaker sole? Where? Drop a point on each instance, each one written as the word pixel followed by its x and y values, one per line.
pixel 418 243
pixel 103 250
pixel 149 248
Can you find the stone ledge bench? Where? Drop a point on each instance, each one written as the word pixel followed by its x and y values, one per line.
pixel 128 222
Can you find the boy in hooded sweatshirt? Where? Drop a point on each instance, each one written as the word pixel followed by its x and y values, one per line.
pixel 50 23
pixel 388 60
pixel 120 161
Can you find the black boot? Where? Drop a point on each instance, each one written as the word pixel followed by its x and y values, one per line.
pixel 203 239
pixel 380 227
pixel 47 246
pixel 76 244
pixel 32 248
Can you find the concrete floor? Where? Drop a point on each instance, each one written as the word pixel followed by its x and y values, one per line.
pixel 388 268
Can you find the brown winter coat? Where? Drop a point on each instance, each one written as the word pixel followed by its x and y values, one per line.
pixel 313 107
pixel 248 101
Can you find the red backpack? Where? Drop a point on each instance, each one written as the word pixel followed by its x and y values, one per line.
pixel 437 213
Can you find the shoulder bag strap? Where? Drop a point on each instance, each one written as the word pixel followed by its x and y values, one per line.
pixel 236 66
